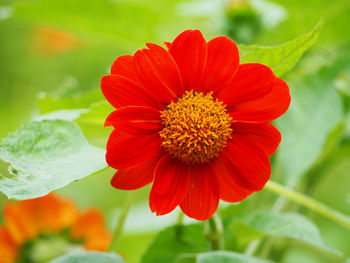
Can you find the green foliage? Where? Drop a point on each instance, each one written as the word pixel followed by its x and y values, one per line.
pixel 288 225
pixel 45 156
pixel 281 58
pixel 243 23
pixel 176 240
pixel 219 257
pixel 89 257
pixel 51 102
pixel 68 115
pixel 108 22
pixel 315 110
pixel 92 121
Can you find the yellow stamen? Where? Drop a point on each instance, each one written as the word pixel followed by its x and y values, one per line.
pixel 196 127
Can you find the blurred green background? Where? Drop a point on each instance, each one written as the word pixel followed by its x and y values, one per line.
pixel 54 52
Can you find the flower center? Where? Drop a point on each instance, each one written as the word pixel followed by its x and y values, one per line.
pixel 196 127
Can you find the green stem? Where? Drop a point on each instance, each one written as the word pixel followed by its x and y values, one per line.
pixel 309 203
pixel 179 225
pixel 180 218
pixel 253 247
pixel 214 232
pixel 118 231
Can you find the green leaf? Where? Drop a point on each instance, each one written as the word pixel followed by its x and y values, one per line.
pixel 288 225
pixel 315 110
pixel 92 121
pixel 89 257
pixel 280 58
pixel 176 240
pixel 68 115
pixel 219 257
pixel 45 156
pixel 49 103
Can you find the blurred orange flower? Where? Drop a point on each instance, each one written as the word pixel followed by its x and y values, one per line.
pixel 48 41
pixel 28 221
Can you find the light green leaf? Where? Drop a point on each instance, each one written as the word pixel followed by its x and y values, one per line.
pixel 219 257
pixel 89 257
pixel 49 102
pixel 289 225
pixel 92 121
pixel 315 110
pixel 174 241
pixel 280 58
pixel 68 115
pixel 45 156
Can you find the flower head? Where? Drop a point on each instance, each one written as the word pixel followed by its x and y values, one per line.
pixel 194 122
pixel 51 223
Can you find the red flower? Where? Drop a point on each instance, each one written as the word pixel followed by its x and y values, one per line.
pixel 193 121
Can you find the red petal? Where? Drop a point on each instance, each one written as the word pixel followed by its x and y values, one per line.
pixel 230 191
pixel 251 81
pixel 121 91
pixel 171 181
pixel 167 44
pixel 265 108
pixel 129 151
pixel 247 163
pixel 202 198
pixel 222 63
pixel 189 50
pixel 134 178
pixel 264 135
pixel 135 120
pixel 158 72
pixel 124 66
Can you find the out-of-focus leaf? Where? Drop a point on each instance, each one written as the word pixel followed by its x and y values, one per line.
pixel 176 240
pixel 89 257
pixel 45 156
pixel 219 257
pixel 92 121
pixel 68 115
pixel 289 225
pixel 112 23
pixel 342 82
pixel 280 58
pixel 315 110
pixel 49 103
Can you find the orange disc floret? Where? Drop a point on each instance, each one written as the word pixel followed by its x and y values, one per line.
pixel 196 127
pixel 27 221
